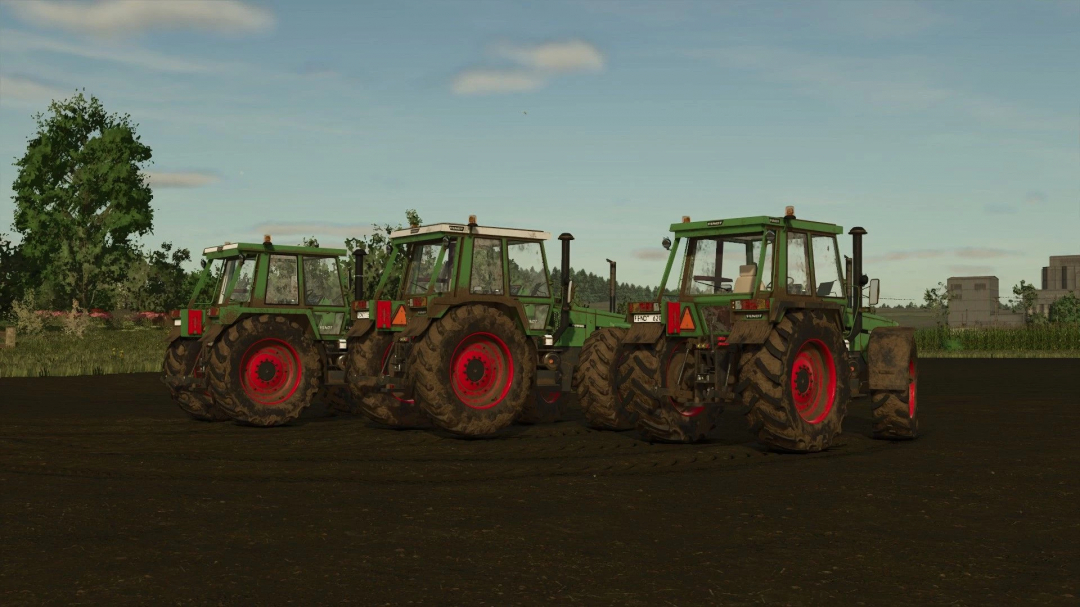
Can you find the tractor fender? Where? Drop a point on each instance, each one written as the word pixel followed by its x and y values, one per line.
pixel 359 329
pixel 887 356
pixel 416 327
pixel 211 334
pixel 749 332
pixel 644 333
pixel 174 335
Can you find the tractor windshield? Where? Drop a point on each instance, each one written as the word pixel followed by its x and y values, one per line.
pixel 726 264
pixel 209 283
pixel 430 266
pixel 239 274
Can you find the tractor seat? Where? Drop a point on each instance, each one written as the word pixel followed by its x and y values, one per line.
pixel 745 282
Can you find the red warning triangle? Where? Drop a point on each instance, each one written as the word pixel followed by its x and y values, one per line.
pixel 687 323
pixel 399 316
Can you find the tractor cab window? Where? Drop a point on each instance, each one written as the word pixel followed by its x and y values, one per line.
pixel 243 271
pixel 211 282
pixel 487 267
pixel 826 266
pixel 282 287
pixel 322 283
pixel 798 269
pixel 722 264
pixel 423 265
pixel 765 273
pixel 528 277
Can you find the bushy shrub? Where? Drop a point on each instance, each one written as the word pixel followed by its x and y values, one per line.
pixel 23 312
pixel 76 322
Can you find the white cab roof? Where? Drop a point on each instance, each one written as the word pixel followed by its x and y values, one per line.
pixel 477 231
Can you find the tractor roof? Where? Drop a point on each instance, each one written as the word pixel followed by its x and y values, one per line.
pixel 460 228
pixel 235 248
pixel 721 226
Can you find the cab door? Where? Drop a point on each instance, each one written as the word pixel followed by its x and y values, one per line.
pixel 324 294
pixel 529 282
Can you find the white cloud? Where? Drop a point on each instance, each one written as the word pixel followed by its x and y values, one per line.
pixel 566 56
pixel 1035 197
pixel 127 17
pixel 19 87
pixel 962 252
pixel 969 270
pixel 14 41
pixel 536 66
pixel 315 228
pixel 180 180
pixel 482 82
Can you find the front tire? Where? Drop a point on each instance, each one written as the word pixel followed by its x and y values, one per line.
pixel 368 357
pixel 182 360
pixel 265 370
pixel 474 371
pixel 895 412
pixel 664 419
pixel 595 380
pixel 794 384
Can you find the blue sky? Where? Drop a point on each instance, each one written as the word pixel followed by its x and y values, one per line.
pixel 949 130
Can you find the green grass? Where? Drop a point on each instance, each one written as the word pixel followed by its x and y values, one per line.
pixel 98 352
pixel 1000 354
pixel 1042 338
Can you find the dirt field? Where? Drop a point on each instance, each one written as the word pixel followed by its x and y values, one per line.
pixel 111 496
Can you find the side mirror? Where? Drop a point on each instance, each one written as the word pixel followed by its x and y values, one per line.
pixel 667 243
pixel 202 262
pixel 875 287
pixel 389 248
pixel 569 292
pixel 446 242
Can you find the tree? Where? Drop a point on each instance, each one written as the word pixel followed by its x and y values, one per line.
pixel 12 274
pixel 937 300
pixel 1024 298
pixel 1066 309
pixel 377 256
pixel 80 198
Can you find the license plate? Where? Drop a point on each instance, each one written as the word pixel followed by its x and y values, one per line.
pixel 646 318
pixel 363 315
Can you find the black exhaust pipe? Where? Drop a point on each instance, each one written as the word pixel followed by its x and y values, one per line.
pixel 358 273
pixel 860 280
pixel 564 278
pixel 611 287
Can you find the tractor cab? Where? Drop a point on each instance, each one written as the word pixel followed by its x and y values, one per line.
pixel 746 269
pixel 247 278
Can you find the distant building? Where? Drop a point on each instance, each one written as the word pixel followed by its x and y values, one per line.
pixel 973 302
pixel 1058 279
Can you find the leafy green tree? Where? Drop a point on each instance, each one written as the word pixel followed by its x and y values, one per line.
pixel 1024 297
pixel 12 274
pixel 377 256
pixel 80 199
pixel 937 300
pixel 1066 309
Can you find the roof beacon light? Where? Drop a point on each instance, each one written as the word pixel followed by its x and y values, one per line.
pixel 686 219
pixel 789 211
pixel 266 239
pixel 472 221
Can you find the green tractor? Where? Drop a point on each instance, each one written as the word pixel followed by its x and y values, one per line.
pixel 474 338
pixel 763 318
pixel 263 335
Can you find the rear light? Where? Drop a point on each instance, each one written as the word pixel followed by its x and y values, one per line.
pixel 673 317
pixel 382 315
pixel 644 307
pixel 359 305
pixel 174 314
pixel 194 322
pixel 417 302
pixel 213 312
pixel 750 304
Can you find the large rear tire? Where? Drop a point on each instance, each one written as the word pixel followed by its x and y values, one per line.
pixel 664 419
pixel 596 378
pixel 548 405
pixel 794 385
pixel 474 371
pixel 895 412
pixel 338 400
pixel 265 370
pixel 182 360
pixel 368 357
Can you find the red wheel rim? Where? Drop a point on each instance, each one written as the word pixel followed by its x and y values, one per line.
pixel 550 397
pixel 481 371
pixel 382 369
pixel 671 376
pixel 270 371
pixel 913 388
pixel 813 381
